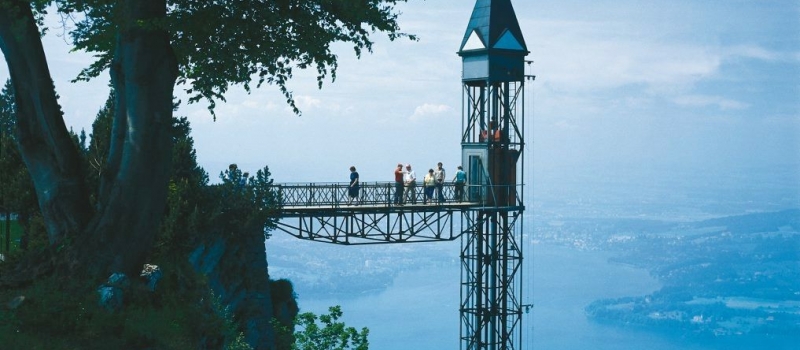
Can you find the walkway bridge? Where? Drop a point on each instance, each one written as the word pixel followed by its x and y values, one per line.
pixel 320 212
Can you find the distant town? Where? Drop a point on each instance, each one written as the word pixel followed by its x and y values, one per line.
pixel 731 276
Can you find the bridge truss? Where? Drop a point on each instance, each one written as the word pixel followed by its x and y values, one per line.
pixel 488 221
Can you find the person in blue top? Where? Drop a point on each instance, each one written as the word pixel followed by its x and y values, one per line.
pixel 460 180
pixel 352 189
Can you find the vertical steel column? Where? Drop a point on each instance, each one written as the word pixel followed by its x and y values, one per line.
pixel 491 258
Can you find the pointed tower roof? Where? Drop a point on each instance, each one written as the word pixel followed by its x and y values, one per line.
pixel 493 25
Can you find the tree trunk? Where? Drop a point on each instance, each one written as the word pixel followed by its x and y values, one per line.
pixel 44 143
pixel 133 189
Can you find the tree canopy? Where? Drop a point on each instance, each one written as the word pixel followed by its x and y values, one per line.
pixel 224 43
pixel 327 332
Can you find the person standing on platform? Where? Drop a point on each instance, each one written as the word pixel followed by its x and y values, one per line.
pixel 460 180
pixel 430 184
pixel 398 184
pixel 410 181
pixel 352 190
pixel 438 176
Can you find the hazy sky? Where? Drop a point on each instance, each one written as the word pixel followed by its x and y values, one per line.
pixel 623 84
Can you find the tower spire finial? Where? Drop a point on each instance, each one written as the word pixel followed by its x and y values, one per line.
pixel 493 25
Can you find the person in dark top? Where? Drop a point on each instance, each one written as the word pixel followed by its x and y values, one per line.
pixel 352 190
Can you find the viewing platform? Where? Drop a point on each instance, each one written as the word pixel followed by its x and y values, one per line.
pixel 301 199
pixel 324 212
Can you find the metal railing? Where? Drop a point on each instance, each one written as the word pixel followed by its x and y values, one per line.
pixel 335 195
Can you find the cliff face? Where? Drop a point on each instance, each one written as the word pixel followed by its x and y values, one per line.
pixel 237 272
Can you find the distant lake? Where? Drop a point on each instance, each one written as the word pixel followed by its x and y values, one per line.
pixel 565 281
pixel 420 309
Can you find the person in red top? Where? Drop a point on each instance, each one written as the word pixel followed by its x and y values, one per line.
pixel 398 185
pixel 494 130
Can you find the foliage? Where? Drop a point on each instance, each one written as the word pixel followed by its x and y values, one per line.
pixel 7 110
pixel 197 210
pixel 236 338
pixel 17 194
pixel 282 290
pixel 244 201
pixel 219 44
pixel 96 154
pixel 282 293
pixel 171 321
pixel 64 314
pixel 193 207
pixel 16 234
pixel 329 333
pixel 187 196
pixel 238 343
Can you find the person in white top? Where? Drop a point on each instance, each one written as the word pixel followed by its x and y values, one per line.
pixel 410 182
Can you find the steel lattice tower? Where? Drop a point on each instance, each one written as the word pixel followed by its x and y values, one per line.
pixel 493 53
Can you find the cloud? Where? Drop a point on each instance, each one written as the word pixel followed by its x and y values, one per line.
pixel 705 101
pixel 259 104
pixel 602 55
pixel 565 125
pixel 307 102
pixel 754 52
pixel 429 110
pixel 623 64
pixel 581 56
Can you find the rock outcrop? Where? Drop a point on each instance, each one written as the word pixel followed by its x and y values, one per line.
pixel 237 272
